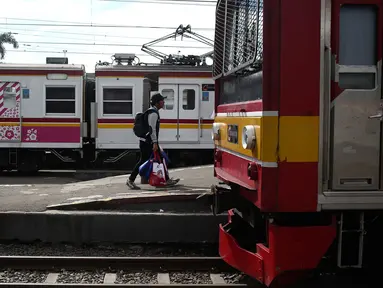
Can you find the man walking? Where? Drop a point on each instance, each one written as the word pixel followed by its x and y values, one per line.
pixel 150 142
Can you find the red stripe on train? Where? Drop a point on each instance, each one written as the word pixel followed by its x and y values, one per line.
pixel 41 72
pixel 290 187
pixel 249 106
pixel 271 55
pixel 41 120
pixel 182 121
pixel 297 186
pixel 300 59
pixel 160 74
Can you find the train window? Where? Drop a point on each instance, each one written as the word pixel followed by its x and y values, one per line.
pixel 169 101
pixel 188 99
pixel 9 97
pixel 118 101
pixel 358 34
pixel 60 100
pixel 357 81
pixel 241 89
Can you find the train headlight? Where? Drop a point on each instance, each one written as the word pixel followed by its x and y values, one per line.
pixel 249 137
pixel 216 135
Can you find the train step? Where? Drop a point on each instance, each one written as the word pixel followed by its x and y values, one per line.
pixel 350 240
pixel 12 157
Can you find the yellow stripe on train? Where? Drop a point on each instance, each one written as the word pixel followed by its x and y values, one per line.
pixel 278 139
pixel 39 124
pixel 162 126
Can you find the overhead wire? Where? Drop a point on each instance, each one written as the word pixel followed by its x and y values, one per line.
pixel 75 22
pixel 170 2
pixel 79 23
pixel 55 23
pixel 111 44
pixel 95 26
pixel 181 1
pixel 74 33
pixel 90 25
pixel 82 38
pixel 91 37
pixel 68 52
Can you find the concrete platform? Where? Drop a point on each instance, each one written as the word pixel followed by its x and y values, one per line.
pixel 30 212
pixel 40 197
pixel 106 227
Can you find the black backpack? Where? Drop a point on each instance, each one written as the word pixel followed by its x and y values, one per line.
pixel 141 125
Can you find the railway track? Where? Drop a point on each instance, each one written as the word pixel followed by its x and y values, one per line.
pixel 48 271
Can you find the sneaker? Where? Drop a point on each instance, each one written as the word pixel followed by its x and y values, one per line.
pixel 132 185
pixel 172 181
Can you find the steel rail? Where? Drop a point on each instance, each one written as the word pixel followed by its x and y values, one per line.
pixel 131 263
pixel 158 264
pixel 55 285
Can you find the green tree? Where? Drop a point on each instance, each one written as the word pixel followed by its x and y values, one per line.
pixel 7 38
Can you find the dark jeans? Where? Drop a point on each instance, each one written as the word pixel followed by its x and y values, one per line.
pixel 146 150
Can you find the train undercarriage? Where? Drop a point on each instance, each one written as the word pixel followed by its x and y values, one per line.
pixel 32 160
pixel 283 249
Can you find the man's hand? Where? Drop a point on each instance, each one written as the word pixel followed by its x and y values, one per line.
pixel 155 147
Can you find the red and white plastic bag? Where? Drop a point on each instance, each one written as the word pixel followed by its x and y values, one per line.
pixel 157 175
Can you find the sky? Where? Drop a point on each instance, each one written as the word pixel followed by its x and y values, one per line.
pixel 100 43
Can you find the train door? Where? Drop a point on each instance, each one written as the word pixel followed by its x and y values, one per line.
pixel 10 112
pixel 169 114
pixel 179 118
pixel 356 96
pixel 188 113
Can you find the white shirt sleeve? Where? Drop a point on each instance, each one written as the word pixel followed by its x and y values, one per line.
pixel 152 121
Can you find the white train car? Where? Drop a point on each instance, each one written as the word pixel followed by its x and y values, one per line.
pixel 124 90
pixel 41 109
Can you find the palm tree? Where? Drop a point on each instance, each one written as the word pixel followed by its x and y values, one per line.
pixel 7 38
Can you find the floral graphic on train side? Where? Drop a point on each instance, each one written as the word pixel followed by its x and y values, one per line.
pixel 31 135
pixel 9 133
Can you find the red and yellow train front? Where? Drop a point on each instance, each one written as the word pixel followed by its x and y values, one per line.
pixel 268 70
pixel 298 134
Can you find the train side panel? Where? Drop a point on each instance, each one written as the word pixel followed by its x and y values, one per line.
pixel 188 114
pixel 351 106
pixel 275 103
pixel 118 99
pixel 41 107
pixel 267 138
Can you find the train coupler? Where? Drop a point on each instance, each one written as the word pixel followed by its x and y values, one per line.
pixel 220 199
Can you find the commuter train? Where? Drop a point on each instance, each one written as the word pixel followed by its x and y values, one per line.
pixel 58 111
pixel 57 115
pixel 298 136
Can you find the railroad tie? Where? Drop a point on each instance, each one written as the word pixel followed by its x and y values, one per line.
pixel 217 279
pixel 110 278
pixel 163 278
pixel 51 278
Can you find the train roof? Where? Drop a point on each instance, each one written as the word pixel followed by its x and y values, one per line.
pixel 154 68
pixel 173 71
pixel 7 66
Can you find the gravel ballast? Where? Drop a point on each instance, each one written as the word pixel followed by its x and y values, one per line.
pixel 93 277
pixel 190 278
pixel 24 276
pixel 120 277
pixel 107 250
pixel 143 277
pixel 236 278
